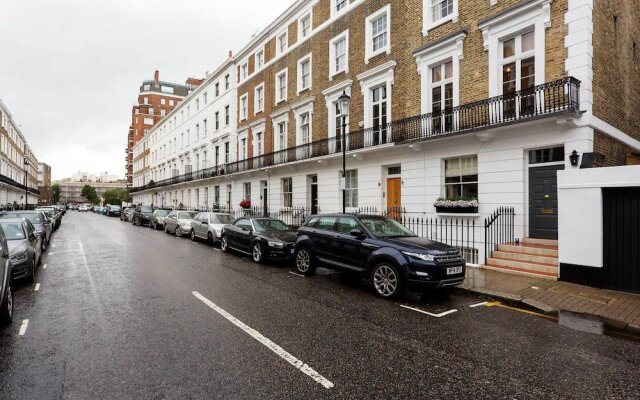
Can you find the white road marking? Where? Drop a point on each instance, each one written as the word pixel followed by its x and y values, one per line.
pixel 216 249
pixel 44 266
pixel 304 368
pixel 442 314
pixel 296 274
pixel 37 287
pixel 53 245
pixel 535 287
pixel 50 254
pixel 478 305
pixel 23 327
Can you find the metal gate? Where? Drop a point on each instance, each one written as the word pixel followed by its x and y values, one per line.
pixel 621 238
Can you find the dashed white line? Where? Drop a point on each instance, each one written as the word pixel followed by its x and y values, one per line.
pixel 304 368
pixel 44 266
pixel 53 245
pixel 478 304
pixel 442 314
pixel 37 287
pixel 296 274
pixel 50 254
pixel 23 327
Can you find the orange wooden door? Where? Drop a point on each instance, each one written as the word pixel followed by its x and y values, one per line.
pixel 394 197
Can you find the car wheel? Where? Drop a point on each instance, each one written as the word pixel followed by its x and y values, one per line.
pixel 304 262
pixel 6 306
pixel 43 245
pixel 223 244
pixel 210 238
pixel 193 235
pixel 178 231
pixel 387 281
pixel 32 274
pixel 256 253
pixel 166 228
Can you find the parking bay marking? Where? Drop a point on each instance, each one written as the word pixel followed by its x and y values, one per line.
pixel 23 327
pixel 478 304
pixel 304 368
pixel 44 266
pixel 442 314
pixel 296 274
pixel 37 287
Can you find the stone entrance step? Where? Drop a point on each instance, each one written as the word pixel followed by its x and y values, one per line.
pixel 530 257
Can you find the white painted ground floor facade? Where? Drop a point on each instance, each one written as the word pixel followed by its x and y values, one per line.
pixel 497 164
pixel 11 196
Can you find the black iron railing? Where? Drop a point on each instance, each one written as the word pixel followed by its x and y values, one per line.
pixel 293 216
pixel 542 100
pixel 498 229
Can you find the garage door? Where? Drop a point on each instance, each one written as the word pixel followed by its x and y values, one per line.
pixel 621 238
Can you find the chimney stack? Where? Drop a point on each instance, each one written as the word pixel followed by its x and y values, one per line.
pixel 230 53
pixel 156 78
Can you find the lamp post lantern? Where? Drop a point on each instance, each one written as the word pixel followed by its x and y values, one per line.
pixel 344 100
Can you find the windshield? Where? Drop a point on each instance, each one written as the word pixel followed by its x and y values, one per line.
pixel 13 230
pixel 270 225
pixel 221 219
pixel 186 215
pixel 385 227
pixel 47 213
pixel 162 213
pixel 33 217
pixel 146 209
pixel 115 208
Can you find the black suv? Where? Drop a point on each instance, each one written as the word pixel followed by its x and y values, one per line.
pixel 380 249
pixel 142 215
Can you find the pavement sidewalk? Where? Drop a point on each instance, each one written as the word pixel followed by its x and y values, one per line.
pixel 618 309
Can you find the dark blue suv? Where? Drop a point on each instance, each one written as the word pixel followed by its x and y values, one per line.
pixel 379 248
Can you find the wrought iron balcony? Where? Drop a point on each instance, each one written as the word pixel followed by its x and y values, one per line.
pixel 541 101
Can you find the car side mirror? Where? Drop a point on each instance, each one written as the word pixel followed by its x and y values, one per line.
pixel 357 233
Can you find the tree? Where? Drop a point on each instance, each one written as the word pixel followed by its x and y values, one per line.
pixel 89 193
pixel 117 196
pixel 55 193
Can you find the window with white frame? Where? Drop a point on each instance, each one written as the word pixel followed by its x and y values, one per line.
pixel 461 178
pixel 282 42
pixel 339 5
pixel 442 96
pixel 304 123
pixel 227 153
pixel 351 188
pixel 304 73
pixel 243 107
pixel 227 116
pixel 281 86
pixel 518 73
pixel 217 90
pixel 197 104
pixel 377 33
pixel 338 54
pixel 204 123
pixel 287 192
pixel 281 135
pixel 244 70
pixel 163 101
pixel 304 25
pixel 247 191
pixel 204 98
pixel 227 81
pixel 258 99
pixel 437 12
pixel 197 132
pixel 379 114
pixel 259 59
pixel 258 144
pixel 243 148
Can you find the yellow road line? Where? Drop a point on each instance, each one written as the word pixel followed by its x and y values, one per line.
pixel 499 304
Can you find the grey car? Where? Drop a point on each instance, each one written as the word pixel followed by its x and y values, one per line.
pixel 6 283
pixel 157 219
pixel 179 222
pixel 39 220
pixel 25 248
pixel 208 226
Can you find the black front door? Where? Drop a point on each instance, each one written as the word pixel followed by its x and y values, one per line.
pixel 543 201
pixel 264 198
pixel 314 198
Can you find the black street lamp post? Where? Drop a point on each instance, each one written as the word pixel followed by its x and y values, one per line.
pixel 344 101
pixel 26 188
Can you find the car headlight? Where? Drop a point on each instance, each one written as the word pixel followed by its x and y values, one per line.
pixel 218 232
pixel 20 256
pixel 418 256
pixel 278 245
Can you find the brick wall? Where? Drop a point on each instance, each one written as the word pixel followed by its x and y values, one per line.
pixel 616 65
pixel 611 153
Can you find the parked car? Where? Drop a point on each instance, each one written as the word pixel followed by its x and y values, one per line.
pixel 178 222
pixel 142 215
pixel 157 219
pixel 114 211
pixel 261 238
pixel 83 208
pixel 53 213
pixel 208 225
pixel 126 214
pixel 40 222
pixel 6 282
pixel 25 248
pixel 380 249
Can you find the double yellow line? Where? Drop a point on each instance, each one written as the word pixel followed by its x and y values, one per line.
pixel 537 314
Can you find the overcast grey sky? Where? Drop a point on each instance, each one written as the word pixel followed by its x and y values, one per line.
pixel 70 69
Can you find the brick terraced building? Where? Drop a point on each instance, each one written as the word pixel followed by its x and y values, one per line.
pixel 451 99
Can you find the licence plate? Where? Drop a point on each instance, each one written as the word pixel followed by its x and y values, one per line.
pixel 454 270
pixel 293 251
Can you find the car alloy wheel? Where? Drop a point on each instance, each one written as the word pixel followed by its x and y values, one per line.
pixel 193 235
pixel 178 231
pixel 304 264
pixel 386 280
pixel 257 253
pixel 6 314
pixel 32 274
pixel 223 244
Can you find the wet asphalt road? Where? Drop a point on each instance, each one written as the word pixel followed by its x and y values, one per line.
pixel 115 317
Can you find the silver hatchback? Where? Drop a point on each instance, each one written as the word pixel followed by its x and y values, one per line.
pixel 208 226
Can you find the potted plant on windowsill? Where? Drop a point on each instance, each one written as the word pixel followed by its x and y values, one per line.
pixel 457 205
pixel 245 203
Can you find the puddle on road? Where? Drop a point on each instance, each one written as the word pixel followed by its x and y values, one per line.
pixel 582 323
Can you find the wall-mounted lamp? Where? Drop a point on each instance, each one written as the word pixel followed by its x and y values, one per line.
pixel 573 158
